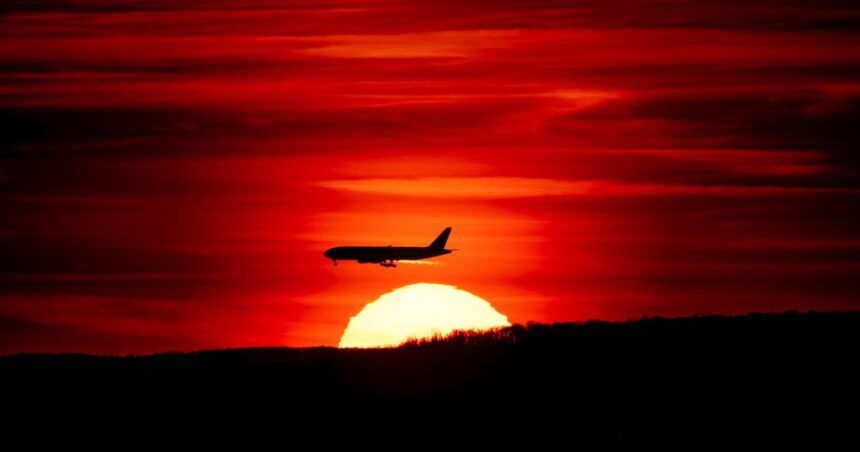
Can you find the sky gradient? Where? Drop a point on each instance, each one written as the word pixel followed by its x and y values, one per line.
pixel 171 172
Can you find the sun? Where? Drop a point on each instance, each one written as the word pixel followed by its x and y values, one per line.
pixel 419 310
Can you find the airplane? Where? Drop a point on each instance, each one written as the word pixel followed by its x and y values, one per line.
pixel 386 256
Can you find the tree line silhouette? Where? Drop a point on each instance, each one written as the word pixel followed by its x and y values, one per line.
pixel 708 375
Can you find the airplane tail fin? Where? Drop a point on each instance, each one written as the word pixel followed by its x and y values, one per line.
pixel 440 241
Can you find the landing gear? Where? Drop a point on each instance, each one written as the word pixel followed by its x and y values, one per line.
pixel 388 264
pixel 334 261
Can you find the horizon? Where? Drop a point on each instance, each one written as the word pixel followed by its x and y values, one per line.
pixel 490 334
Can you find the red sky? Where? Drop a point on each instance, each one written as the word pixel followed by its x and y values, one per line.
pixel 169 178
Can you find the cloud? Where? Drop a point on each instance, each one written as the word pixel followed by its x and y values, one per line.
pixel 447 44
pixel 740 161
pixel 524 187
pixel 490 14
pixel 462 187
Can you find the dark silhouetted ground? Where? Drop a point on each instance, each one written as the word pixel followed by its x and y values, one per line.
pixel 769 375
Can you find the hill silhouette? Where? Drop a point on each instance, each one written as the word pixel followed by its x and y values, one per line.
pixel 790 373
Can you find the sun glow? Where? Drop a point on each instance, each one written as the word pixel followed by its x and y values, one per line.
pixel 419 310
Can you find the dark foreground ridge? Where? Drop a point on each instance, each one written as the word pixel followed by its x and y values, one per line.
pixel 788 373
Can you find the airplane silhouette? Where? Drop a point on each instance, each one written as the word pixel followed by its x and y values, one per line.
pixel 386 256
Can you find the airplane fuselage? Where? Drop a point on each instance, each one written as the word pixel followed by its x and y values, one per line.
pixel 379 254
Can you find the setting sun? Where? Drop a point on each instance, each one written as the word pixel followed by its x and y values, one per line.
pixel 419 310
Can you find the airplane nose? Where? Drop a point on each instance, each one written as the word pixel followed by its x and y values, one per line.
pixel 327 253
